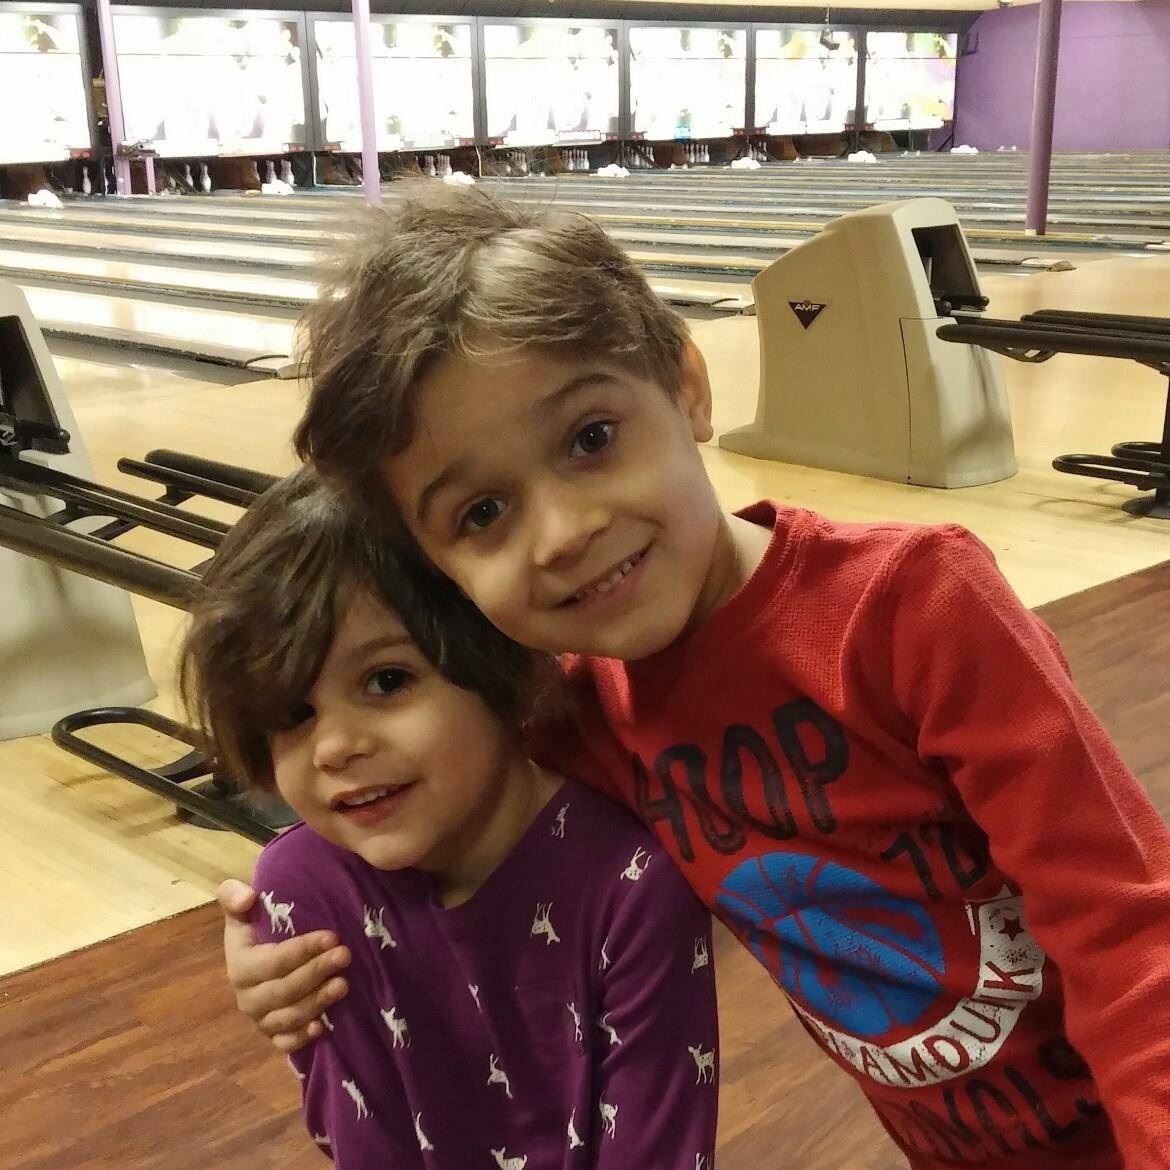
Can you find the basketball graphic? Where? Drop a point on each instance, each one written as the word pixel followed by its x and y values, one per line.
pixel 839 944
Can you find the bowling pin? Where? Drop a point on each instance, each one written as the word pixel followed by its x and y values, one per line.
pixel 187 177
pixel 204 179
pixel 256 172
pixel 286 173
pixel 269 171
pixel 86 185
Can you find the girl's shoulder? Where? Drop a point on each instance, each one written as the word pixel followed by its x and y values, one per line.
pixel 327 882
pixel 600 845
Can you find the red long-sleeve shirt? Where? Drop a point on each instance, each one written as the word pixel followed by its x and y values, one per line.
pixel 872 764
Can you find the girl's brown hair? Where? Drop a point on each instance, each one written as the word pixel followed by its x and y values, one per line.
pixel 266 610
pixel 459 271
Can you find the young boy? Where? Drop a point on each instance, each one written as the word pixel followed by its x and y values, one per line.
pixel 860 748
pixel 525 983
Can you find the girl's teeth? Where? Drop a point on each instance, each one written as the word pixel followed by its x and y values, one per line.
pixel 367 798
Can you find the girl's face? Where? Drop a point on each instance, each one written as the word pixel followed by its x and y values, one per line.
pixel 387 758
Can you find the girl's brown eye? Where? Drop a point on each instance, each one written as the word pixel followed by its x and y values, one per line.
pixel 388 681
pixel 483 513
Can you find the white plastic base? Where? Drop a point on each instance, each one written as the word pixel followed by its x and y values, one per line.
pixel 66 642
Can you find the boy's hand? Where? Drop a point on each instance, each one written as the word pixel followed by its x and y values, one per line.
pixel 282 987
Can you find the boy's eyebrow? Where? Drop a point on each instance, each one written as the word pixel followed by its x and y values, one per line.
pixel 546 405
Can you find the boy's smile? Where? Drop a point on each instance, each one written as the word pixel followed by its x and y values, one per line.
pixel 567 499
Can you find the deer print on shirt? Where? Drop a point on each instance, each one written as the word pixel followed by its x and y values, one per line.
pixel 356 1096
pixel 398 1026
pixel 279 914
pixel 423 1143
pixel 575 1142
pixel 704 1064
pixel 474 989
pixel 605 1026
pixel 542 924
pixel 604 962
pixel 637 867
pixel 506 1163
pixel 321 1140
pixel 558 830
pixel 375 928
pixel 572 1007
pixel 608 1118
pixel 702 1162
pixel 702 958
pixel 497 1076
pixel 327 1021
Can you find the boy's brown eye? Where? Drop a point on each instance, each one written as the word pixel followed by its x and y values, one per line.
pixel 593 438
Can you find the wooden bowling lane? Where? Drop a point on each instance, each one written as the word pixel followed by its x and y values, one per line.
pixel 210 270
pixel 691 196
pixel 695 197
pixel 737 251
pixel 205 283
pixel 149 246
pixel 130 1055
pixel 225 285
pixel 229 336
pixel 144 217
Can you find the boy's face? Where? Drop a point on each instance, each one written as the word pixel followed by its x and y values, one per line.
pixel 382 725
pixel 567 499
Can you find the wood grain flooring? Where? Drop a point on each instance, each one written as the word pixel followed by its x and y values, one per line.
pixel 129 1055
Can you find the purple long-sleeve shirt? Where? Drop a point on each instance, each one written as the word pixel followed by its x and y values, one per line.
pixel 564 1017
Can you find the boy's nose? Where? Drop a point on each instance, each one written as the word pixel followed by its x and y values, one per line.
pixel 564 528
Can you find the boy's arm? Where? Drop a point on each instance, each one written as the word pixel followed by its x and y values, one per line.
pixel 987 688
pixel 283 987
pixel 657 1031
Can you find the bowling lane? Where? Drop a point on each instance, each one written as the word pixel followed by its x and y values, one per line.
pixel 219 284
pixel 227 336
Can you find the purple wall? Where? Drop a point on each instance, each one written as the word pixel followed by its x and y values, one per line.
pixel 1113 90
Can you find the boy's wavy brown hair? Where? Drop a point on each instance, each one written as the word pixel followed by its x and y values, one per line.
pixel 265 613
pixel 445 271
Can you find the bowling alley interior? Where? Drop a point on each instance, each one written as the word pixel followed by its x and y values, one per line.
pixel 923 249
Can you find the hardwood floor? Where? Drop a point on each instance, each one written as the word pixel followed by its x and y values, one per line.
pixel 130 1056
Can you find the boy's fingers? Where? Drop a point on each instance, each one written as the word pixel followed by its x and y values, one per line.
pixel 234 897
pixel 290 1042
pixel 294 986
pixel 250 964
pixel 300 1015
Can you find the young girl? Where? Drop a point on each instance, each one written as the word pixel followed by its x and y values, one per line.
pixel 531 982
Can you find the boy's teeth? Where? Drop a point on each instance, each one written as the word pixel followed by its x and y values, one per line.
pixel 609 582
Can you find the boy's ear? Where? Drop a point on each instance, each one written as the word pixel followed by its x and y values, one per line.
pixel 695 392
